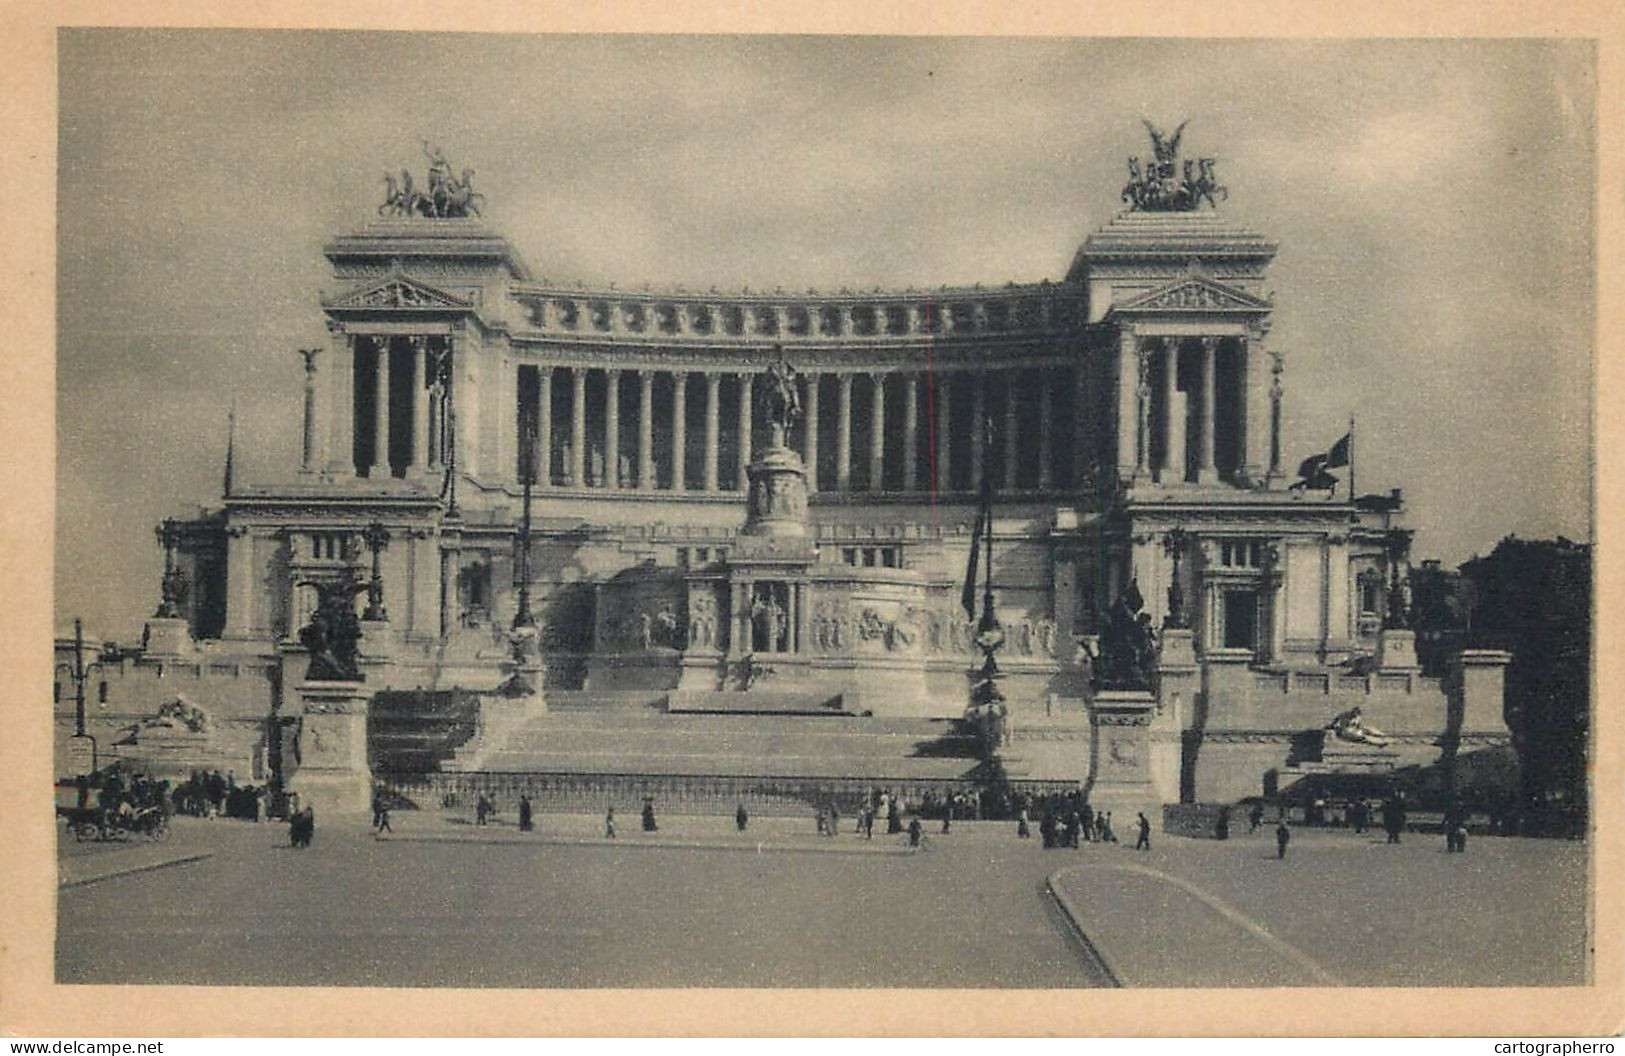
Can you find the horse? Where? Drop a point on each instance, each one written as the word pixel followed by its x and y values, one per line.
pixel 1206 186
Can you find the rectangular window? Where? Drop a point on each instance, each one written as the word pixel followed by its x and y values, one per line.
pixel 1240 619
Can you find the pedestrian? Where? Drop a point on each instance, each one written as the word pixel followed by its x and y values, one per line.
pixel 482 807
pixel 609 823
pixel 834 820
pixel 1106 833
pixel 1144 842
pixel 1255 818
pixel 1074 826
pixel 947 819
pixel 868 823
pixel 1283 836
pixel 741 818
pixel 649 815
pixel 525 822
pixel 914 832
pixel 894 818
pixel 377 806
pixel 383 817
pixel 823 822
pixel 1024 830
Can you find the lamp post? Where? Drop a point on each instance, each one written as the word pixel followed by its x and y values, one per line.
pixel 80 672
pixel 376 536
pixel 174 581
pixel 1398 544
pixel 523 617
pixel 1173 543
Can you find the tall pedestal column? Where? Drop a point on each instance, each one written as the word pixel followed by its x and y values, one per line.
pixel 612 428
pixel 308 456
pixel 341 408
pixel 713 397
pixel 418 460
pixel 1121 763
pixel 809 438
pixel 544 427
pixel 380 411
pixel 679 430
pixel 1128 403
pixel 1205 472
pixel 646 430
pixel 843 436
pixel 578 427
pixel 911 431
pixel 877 432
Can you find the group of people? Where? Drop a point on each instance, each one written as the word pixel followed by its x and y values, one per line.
pixel 301 827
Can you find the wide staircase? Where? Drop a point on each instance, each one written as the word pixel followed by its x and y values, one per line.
pixel 593 747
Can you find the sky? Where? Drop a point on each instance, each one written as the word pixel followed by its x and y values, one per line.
pixel 1433 202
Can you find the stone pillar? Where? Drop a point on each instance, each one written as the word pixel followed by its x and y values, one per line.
pixel 307 461
pixel 911 430
pixel 809 435
pixel 679 429
pixel 436 427
pixel 843 436
pixel 1205 473
pixel 1046 423
pixel 1173 413
pixel 744 430
pixel 544 427
pixel 942 414
pixel 380 411
pixel 450 615
pixel 418 461
pixel 1008 478
pixel 239 582
pixel 1128 400
pixel 646 430
pixel 978 428
pixel 506 425
pixel 1339 601
pixel 578 427
pixel 332 775
pixel 1254 412
pixel 341 408
pixel 612 428
pixel 877 433
pixel 713 397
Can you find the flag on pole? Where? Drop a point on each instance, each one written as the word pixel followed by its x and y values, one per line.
pixel 1312 473
pixel 984 527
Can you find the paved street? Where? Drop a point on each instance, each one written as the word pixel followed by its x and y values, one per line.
pixel 444 903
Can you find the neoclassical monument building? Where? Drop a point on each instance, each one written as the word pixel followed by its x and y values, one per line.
pixel 728 580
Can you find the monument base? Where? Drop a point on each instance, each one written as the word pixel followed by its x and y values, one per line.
pixel 165 637
pixel 1120 767
pixel 331 748
pixel 1396 650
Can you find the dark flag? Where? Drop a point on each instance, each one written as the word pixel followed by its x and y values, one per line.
pixel 1339 454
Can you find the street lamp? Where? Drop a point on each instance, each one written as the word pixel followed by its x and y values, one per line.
pixel 376 536
pixel 1173 543
pixel 523 617
pixel 81 742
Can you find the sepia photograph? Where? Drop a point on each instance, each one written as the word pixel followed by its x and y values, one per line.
pixel 578 512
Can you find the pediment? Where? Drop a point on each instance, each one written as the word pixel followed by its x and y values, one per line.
pixel 1194 294
pixel 398 291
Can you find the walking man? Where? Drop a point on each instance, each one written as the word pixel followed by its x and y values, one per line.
pixel 741 818
pixel 1283 836
pixel 1144 842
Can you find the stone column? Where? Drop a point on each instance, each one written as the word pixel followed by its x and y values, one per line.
pixel 1128 398
pixel 942 413
pixel 239 582
pixel 436 429
pixel 744 430
pixel 544 427
pixel 341 408
pixel 380 411
pixel 417 463
pixel 646 430
pixel 1173 459
pixel 1046 412
pixel 1008 478
pixel 612 428
pixel 679 429
pixel 911 430
pixel 978 428
pixel 877 433
pixel 843 436
pixel 713 396
pixel 1204 451
pixel 578 427
pixel 307 462
pixel 1254 412
pixel 809 438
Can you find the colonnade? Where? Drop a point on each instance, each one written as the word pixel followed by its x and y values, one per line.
pixel 1192 409
pixel 580 434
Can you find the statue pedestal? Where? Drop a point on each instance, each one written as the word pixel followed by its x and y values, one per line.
pixel 167 637
pixel 1120 764
pixel 1396 650
pixel 777 504
pixel 332 774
